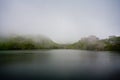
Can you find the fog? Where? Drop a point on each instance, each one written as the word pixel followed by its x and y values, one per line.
pixel 64 21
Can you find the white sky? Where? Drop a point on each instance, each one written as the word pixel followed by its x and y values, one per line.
pixel 64 21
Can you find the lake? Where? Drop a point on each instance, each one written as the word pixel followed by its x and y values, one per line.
pixel 61 64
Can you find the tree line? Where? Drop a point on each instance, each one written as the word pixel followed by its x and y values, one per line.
pixel 88 43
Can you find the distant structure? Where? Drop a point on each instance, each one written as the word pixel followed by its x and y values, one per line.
pixel 90 39
pixel 113 36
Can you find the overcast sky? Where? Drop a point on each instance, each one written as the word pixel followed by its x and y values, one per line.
pixel 63 21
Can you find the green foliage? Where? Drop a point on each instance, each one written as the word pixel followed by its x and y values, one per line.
pixel 113 44
pixel 21 43
pixel 90 43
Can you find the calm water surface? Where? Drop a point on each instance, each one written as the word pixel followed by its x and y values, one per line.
pixel 59 65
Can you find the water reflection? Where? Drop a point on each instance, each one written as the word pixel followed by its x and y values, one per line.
pixel 14 57
pixel 59 64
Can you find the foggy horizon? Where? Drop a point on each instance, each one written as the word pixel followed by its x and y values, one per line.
pixel 63 21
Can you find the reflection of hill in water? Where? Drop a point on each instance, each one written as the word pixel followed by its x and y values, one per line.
pixel 12 57
pixel 59 65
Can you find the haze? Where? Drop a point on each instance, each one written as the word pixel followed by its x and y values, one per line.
pixel 64 21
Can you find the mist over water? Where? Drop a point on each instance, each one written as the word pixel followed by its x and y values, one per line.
pixel 59 40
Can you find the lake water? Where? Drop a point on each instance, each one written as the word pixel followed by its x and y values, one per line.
pixel 61 64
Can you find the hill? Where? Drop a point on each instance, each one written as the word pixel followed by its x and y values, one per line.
pixel 26 42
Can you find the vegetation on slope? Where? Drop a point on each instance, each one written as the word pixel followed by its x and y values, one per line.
pixel 41 42
pixel 23 43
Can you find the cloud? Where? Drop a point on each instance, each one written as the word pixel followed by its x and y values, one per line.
pixel 62 20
